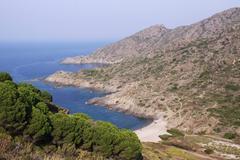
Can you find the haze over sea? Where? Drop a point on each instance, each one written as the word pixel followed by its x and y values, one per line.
pixel 29 61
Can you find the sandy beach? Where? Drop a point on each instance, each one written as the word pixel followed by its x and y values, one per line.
pixel 151 132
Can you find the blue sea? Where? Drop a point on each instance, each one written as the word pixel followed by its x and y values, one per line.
pixel 30 61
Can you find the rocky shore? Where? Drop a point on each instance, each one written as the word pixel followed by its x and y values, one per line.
pixel 115 101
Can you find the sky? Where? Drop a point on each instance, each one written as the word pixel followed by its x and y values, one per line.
pixel 98 20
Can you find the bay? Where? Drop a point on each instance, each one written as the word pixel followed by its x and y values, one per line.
pixel 30 61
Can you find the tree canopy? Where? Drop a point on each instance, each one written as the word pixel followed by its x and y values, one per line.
pixel 24 111
pixel 4 76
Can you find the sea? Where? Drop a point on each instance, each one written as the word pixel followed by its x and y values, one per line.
pixel 31 61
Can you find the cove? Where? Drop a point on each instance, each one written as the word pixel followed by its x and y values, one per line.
pixel 28 62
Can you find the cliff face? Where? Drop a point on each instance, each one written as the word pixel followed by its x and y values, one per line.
pixel 189 75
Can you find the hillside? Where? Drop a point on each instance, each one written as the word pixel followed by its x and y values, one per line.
pixel 187 78
pixel 191 75
pixel 157 38
pixel 128 47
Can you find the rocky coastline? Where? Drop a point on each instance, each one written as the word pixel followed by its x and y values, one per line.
pixel 183 76
pixel 62 78
pixel 148 133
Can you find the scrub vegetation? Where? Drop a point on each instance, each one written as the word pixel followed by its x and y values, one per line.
pixel 26 117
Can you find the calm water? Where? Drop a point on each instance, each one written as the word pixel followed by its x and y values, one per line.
pixel 28 61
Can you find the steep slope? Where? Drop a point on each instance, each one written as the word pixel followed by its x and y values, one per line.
pixel 128 47
pixel 158 38
pixel 190 77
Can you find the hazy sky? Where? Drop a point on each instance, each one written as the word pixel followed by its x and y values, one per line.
pixel 86 20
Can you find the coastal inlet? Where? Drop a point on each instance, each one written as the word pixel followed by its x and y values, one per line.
pixel 41 60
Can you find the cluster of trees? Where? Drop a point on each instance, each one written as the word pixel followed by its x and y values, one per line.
pixel 24 110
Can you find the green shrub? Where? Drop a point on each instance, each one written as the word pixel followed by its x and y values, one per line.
pixel 46 96
pixel 5 77
pixel 88 135
pixel 128 146
pixel 83 122
pixel 175 132
pixel 173 87
pixel 63 128
pixel 39 127
pixel 13 110
pixel 229 115
pixel 29 93
pixel 209 151
pixel 232 87
pixel 165 137
pixel 217 130
pixel 229 135
pixel 80 116
pixel 43 107
pixel 104 137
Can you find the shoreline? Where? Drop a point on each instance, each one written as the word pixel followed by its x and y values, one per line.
pixel 152 131
pixel 146 133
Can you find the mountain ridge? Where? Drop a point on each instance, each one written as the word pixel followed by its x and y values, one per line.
pixel 186 82
pixel 157 37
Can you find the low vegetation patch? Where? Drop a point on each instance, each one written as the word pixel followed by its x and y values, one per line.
pixel 175 132
pixel 229 115
pixel 230 135
pixel 165 137
pixel 232 87
pixel 98 74
pixel 209 151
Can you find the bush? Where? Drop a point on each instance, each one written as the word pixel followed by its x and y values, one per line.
pixel 175 132
pixel 217 130
pixel 128 146
pixel 165 137
pixel 209 151
pixel 46 96
pixel 87 136
pixel 104 138
pixel 29 93
pixel 13 110
pixel 229 135
pixel 9 94
pixel 229 115
pixel 43 107
pixel 80 116
pixel 63 128
pixel 232 87
pixel 5 77
pixel 84 130
pixel 39 127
